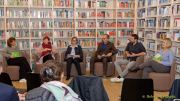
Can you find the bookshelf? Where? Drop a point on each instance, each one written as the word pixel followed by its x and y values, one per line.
pixel 30 20
pixel 156 20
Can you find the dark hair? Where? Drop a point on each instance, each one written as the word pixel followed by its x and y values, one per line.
pixel 107 35
pixel 75 38
pixel 52 70
pixel 10 40
pixel 46 37
pixel 135 36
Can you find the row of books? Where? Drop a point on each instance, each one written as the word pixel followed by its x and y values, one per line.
pixel 63 34
pixel 110 33
pixel 141 23
pixel 42 3
pixel 64 24
pixel 18 34
pixel 41 34
pixel 151 45
pixel 165 10
pixel 41 24
pixel 63 13
pixel 84 24
pixel 151 22
pixel 1 2
pixel 105 14
pixel 152 2
pixel 47 13
pixel 141 3
pixel 24 44
pixel 2 24
pixel 17 24
pixel 141 13
pixel 177 22
pixel 124 33
pixel 106 24
pixel 86 14
pixel 86 33
pixel 176 9
pixel 164 23
pixel 17 2
pixel 85 4
pixel 23 12
pixel 126 4
pixel 64 3
pixel 176 36
pixel 164 1
pixel 128 24
pixel 125 14
pixel 151 11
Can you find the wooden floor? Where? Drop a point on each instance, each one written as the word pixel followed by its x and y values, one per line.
pixel 113 89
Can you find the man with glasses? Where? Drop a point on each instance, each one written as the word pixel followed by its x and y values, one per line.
pixel 133 50
pixel 103 54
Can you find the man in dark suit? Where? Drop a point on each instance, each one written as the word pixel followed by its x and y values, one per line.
pixel 8 93
pixel 74 55
pixel 103 54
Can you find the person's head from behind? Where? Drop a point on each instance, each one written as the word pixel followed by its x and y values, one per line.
pixel 11 42
pixel 46 40
pixel 105 38
pixel 133 38
pixel 74 40
pixel 51 71
pixel 166 43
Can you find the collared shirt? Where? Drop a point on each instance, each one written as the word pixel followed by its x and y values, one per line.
pixel 73 50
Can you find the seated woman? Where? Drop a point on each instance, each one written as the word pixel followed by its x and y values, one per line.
pixel 14 57
pixel 46 50
pixel 161 62
pixel 74 55
pixel 52 89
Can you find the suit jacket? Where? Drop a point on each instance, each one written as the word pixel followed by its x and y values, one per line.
pixel 78 51
pixel 109 48
pixel 8 93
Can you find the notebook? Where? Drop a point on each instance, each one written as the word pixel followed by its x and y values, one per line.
pixel 16 54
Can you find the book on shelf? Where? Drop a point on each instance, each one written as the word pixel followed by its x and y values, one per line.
pixel 41 3
pixel 2 26
pixel 23 12
pixel 176 36
pixel 176 9
pixel 35 44
pixel 2 34
pixel 63 24
pixel 64 3
pixel 2 44
pixel 85 4
pixel 112 33
pixel 18 34
pixel 105 14
pixel 105 4
pixel 126 4
pixel 164 22
pixel 141 3
pixel 178 52
pixel 63 34
pixel 89 43
pixel 177 22
pixel 163 35
pixel 62 43
pixel 152 2
pixel 151 22
pixel 40 24
pixel 85 24
pixel 151 12
pixel 141 33
pixel 63 13
pixel 141 23
pixel 164 1
pixel 1 12
pixel 86 33
pixel 141 13
pixel 17 2
pixel 37 13
pixel 106 24
pixel 124 33
pixel 1 2
pixel 127 24
pixel 41 34
pixel 125 14
pixel 86 14
pixel 165 10
pixel 23 44
pixel 21 24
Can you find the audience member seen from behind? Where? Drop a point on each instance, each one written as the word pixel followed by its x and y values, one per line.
pixel 8 93
pixel 14 57
pixel 52 89
pixel 73 55
pixel 46 50
pixel 104 54
pixel 134 49
pixel 161 62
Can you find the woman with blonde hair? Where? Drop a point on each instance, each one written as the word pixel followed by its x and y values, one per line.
pixel 161 62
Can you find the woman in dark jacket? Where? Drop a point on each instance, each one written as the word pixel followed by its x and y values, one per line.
pixel 74 55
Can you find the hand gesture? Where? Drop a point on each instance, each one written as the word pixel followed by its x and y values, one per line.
pixel 76 56
pixel 109 54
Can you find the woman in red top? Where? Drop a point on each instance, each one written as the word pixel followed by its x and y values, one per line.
pixel 46 49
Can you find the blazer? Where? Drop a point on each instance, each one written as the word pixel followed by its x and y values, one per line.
pixel 78 51
pixel 8 93
pixel 110 48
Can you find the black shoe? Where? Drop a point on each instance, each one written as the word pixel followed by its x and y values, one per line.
pixel 67 78
pixel 134 69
